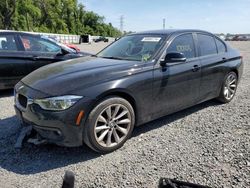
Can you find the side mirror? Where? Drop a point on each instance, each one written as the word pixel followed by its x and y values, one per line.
pixel 173 57
pixel 63 52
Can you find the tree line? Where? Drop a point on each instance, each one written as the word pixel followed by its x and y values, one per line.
pixel 53 16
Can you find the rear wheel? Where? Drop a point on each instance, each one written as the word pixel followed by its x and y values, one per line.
pixel 109 125
pixel 229 87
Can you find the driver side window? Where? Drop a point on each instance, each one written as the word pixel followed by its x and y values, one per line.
pixel 36 44
pixel 183 44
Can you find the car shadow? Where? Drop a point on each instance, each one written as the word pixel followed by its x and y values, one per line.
pixel 35 159
pixel 6 93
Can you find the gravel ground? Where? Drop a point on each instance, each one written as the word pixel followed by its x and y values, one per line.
pixel 207 144
pixel 94 47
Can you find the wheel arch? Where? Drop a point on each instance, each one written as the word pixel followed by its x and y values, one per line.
pixel 87 138
pixel 234 70
pixel 119 93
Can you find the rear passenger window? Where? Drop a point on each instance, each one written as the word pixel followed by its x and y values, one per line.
pixel 206 44
pixel 7 43
pixel 220 46
pixel 183 44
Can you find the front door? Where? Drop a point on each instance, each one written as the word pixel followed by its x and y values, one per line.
pixel 12 61
pixel 177 86
pixel 40 51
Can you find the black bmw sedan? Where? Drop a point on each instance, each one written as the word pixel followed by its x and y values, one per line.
pixel 99 100
pixel 21 53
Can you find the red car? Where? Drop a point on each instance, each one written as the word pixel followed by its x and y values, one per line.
pixel 74 47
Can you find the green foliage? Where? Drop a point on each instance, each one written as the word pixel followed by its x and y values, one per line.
pixel 53 16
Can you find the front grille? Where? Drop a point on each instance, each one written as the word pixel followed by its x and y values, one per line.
pixel 22 100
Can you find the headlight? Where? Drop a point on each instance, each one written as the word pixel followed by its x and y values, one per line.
pixel 57 103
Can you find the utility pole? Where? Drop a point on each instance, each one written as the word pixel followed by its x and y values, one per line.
pixel 121 23
pixel 164 23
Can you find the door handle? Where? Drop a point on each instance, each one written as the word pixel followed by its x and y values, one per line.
pixel 195 68
pixel 224 59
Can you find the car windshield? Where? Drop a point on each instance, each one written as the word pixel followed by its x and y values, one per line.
pixel 134 47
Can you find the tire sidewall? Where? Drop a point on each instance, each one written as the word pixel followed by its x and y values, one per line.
pixel 89 127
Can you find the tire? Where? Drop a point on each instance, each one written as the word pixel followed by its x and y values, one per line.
pixel 109 124
pixel 228 88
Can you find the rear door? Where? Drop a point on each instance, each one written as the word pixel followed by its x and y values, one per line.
pixel 40 51
pixel 176 86
pixel 212 56
pixel 12 62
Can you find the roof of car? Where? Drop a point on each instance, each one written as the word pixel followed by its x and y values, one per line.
pixel 159 32
pixel 171 31
pixel 23 32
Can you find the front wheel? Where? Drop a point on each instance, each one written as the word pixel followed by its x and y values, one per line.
pixel 109 125
pixel 229 87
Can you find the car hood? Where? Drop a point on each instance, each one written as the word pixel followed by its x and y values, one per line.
pixel 76 73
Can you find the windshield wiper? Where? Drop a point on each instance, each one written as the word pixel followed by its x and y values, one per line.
pixel 111 57
pixel 117 58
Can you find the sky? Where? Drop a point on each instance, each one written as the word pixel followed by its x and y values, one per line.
pixel 217 16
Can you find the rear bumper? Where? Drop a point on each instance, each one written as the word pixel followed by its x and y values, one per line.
pixel 240 69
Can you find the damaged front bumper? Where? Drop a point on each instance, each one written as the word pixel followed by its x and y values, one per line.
pixel 56 127
pixel 55 132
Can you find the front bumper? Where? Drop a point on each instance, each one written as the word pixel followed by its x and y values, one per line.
pixel 58 127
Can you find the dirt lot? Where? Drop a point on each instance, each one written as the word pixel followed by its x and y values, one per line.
pixel 207 144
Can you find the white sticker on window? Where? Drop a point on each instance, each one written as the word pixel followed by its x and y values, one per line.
pixel 151 39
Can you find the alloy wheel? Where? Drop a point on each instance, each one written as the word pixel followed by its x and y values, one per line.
pixel 230 86
pixel 112 125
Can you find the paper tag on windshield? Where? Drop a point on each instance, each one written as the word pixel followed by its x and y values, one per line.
pixel 151 39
